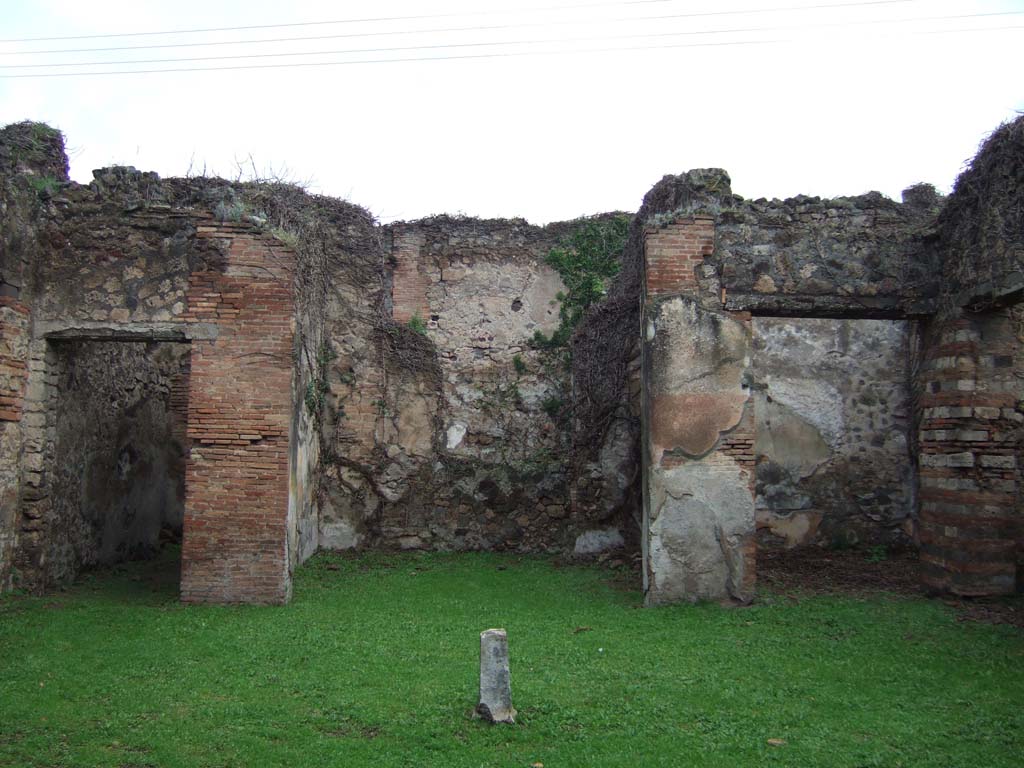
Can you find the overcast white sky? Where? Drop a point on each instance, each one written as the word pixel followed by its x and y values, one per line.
pixel 819 100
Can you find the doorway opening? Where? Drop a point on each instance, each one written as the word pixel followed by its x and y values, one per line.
pixel 119 434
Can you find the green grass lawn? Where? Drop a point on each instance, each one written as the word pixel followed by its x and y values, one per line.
pixel 375 664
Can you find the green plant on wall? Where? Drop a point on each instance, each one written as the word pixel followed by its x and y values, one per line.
pixel 552 406
pixel 416 324
pixel 500 398
pixel 317 387
pixel 586 260
pixel 44 186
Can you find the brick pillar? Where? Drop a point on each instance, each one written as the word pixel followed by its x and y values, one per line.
pixel 698 533
pixel 969 442
pixel 239 409
pixel 409 281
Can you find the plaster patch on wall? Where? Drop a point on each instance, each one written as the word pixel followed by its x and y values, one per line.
pixel 696 350
pixel 790 439
pixel 701 532
pixel 692 422
pixel 339 534
pixel 795 529
pixel 698 363
pixel 597 541
pixel 456 432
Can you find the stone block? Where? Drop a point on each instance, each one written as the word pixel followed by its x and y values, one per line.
pixel 495 681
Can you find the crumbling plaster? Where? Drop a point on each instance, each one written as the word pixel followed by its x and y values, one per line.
pixel 466 444
pixel 833 421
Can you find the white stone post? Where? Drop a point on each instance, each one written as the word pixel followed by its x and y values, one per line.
pixel 495 686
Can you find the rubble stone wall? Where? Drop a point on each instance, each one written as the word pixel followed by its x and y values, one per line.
pixel 14 336
pixel 452 430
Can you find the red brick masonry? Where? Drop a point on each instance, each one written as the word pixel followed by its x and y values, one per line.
pixel 239 406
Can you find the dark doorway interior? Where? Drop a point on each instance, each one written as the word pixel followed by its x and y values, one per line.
pixel 119 455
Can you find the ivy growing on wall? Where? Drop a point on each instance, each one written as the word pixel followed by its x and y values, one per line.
pixel 587 261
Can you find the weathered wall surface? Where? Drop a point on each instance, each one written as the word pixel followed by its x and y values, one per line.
pixel 119 472
pixel 452 429
pixel 833 420
pixel 981 229
pixel 970 426
pixel 700 509
pixel 14 335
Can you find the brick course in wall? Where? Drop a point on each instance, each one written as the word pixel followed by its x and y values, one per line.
pixel 970 523
pixel 410 282
pixel 674 252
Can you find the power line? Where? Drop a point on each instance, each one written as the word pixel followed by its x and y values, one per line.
pixel 560 22
pixel 508 54
pixel 436 46
pixel 366 20
pixel 688 33
pixel 498 55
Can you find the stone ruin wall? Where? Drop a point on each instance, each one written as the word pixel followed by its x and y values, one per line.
pixel 808 378
pixel 878 347
pixel 447 436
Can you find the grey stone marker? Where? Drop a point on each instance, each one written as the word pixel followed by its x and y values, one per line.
pixel 495 688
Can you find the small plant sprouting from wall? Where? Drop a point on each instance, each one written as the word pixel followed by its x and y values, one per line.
pixel 44 186
pixel 287 237
pixel 519 365
pixel 500 398
pixel 553 406
pixel 317 387
pixel 417 324
pixel 230 210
